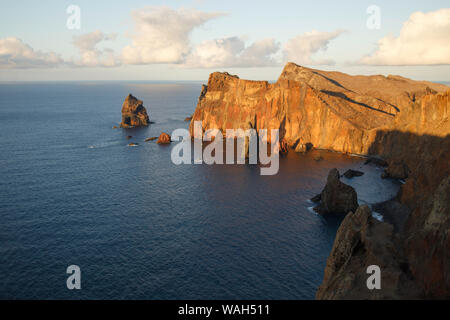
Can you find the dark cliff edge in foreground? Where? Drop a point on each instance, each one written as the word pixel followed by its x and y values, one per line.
pixel 403 121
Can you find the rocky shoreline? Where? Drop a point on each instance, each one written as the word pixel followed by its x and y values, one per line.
pixel 400 123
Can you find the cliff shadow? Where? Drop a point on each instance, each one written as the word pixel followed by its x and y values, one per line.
pixel 344 97
pixel 421 162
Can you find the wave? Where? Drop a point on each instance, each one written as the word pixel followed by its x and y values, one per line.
pixel 103 144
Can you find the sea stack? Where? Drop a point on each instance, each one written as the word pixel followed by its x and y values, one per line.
pixel 134 113
pixel 337 197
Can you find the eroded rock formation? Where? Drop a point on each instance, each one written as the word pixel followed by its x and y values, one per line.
pixel 403 123
pixel 337 197
pixel 134 113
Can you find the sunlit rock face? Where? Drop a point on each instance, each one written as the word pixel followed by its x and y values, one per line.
pixel 134 113
pixel 328 110
pixel 403 121
pixel 164 138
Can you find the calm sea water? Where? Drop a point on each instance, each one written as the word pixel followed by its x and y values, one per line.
pixel 72 192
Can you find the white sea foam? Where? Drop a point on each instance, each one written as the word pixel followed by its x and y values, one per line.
pixel 311 209
pixel 103 144
pixel 377 216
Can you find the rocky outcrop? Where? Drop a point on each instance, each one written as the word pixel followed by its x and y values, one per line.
pixel 350 173
pixel 376 161
pixel 398 122
pixel 337 197
pixel 420 221
pixel 164 138
pixel 396 170
pixel 134 113
pixel 284 147
pixel 362 241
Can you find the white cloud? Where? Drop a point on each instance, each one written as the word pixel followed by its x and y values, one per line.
pixel 424 40
pixel 162 34
pixel 88 41
pixel 90 55
pixel 232 52
pixel 16 54
pixel 301 48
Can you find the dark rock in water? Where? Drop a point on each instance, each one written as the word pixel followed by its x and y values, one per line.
pixel 115 127
pixel 164 138
pixel 376 161
pixel 337 197
pixel 316 198
pixel 150 139
pixel 134 113
pixel 133 144
pixel 129 137
pixel 396 170
pixel 350 173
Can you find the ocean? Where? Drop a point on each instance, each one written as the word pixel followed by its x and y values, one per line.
pixel 139 227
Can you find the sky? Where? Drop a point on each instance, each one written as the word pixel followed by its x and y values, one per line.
pixel 57 40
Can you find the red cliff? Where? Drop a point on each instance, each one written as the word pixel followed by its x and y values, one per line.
pixel 405 122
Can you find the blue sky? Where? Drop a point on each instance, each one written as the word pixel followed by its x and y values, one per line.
pixel 341 37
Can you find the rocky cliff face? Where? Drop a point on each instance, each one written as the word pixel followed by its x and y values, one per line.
pixel 134 113
pixel 405 122
pixel 327 110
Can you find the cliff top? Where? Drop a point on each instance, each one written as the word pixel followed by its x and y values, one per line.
pixel 391 85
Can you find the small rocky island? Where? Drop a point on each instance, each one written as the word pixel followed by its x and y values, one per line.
pixel 164 138
pixel 336 197
pixel 134 113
